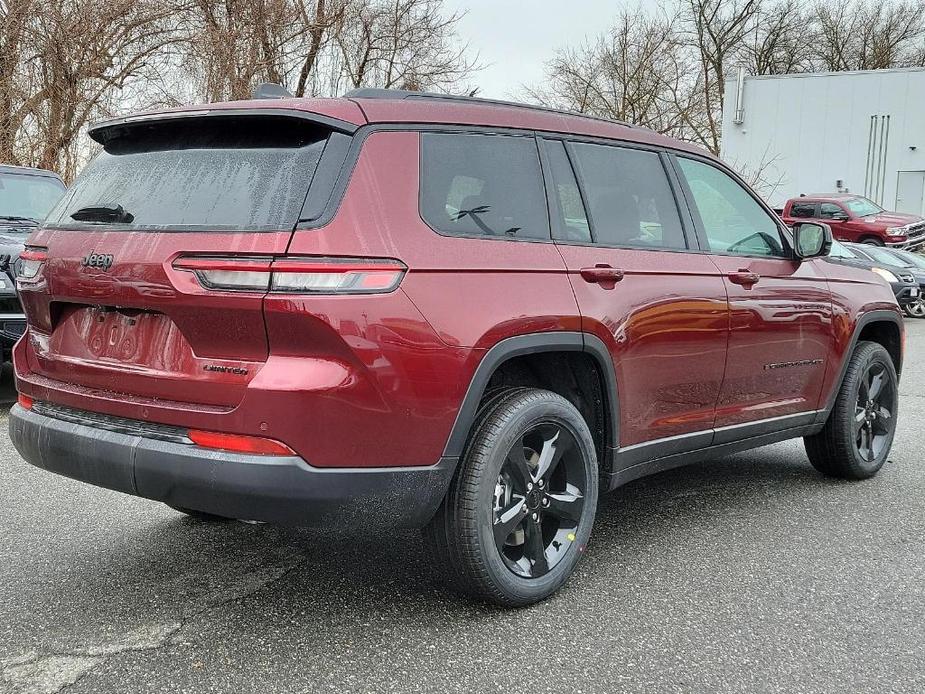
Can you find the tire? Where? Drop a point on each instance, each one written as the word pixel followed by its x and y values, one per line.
pixel 856 439
pixel 873 241
pixel 916 309
pixel 496 492
pixel 200 515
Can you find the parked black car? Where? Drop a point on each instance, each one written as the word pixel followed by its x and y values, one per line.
pixel 903 282
pixel 913 262
pixel 26 197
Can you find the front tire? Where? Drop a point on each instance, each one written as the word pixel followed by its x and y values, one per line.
pixel 519 512
pixel 856 439
pixel 916 309
pixel 873 241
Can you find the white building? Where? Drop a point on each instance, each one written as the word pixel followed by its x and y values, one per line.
pixel 858 132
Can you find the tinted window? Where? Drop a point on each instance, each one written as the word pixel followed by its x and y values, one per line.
pixel 28 196
pixel 571 222
pixel 733 221
pixel 483 185
pixel 803 209
pixel 629 198
pixel 829 210
pixel 215 173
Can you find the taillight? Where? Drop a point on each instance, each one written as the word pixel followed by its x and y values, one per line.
pixel 238 443
pixel 297 275
pixel 24 401
pixel 31 261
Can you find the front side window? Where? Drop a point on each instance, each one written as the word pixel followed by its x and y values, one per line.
pixel 629 197
pixel 734 222
pixel 829 210
pixel 803 210
pixel 483 185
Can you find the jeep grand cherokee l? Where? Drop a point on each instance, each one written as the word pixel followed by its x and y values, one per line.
pixel 408 310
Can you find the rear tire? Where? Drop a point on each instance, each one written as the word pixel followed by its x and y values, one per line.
pixel 520 509
pixel 856 439
pixel 200 515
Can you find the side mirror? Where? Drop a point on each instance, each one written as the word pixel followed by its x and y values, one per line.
pixel 811 239
pixel 840 217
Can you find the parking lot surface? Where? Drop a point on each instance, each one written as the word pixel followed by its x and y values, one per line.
pixel 750 573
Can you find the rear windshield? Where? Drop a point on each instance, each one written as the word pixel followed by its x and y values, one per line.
pixel 206 174
pixel 26 196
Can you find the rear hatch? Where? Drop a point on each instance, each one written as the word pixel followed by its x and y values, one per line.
pixel 111 309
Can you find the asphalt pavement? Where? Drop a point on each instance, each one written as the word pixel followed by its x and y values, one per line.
pixel 750 573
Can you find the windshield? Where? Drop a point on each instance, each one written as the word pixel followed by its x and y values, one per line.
pixel 218 174
pixel 27 195
pixel 863 207
pixel 913 259
pixel 888 257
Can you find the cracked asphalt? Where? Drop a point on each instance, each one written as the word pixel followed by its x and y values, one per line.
pixel 747 574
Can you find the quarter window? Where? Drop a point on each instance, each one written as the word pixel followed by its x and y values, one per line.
pixel 734 222
pixel 483 185
pixel 629 197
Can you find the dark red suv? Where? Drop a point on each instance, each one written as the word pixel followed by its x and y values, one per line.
pixel 395 309
pixel 857 219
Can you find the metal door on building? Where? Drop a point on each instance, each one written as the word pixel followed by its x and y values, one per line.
pixel 910 192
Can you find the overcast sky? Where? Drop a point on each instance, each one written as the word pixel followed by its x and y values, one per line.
pixel 514 38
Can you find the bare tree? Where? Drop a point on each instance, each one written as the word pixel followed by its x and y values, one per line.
pixel 867 35
pixel 406 44
pixel 779 44
pixel 639 72
pixel 65 63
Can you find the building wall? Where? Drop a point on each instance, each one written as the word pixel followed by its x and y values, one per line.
pixel 803 133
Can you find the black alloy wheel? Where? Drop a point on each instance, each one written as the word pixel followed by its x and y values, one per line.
pixel 873 415
pixel 539 498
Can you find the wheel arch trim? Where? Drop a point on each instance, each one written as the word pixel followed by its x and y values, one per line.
pixel 879 316
pixel 534 343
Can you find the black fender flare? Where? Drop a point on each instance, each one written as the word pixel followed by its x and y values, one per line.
pixel 863 321
pixel 533 343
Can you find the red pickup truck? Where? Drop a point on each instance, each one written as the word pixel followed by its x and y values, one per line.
pixel 855 218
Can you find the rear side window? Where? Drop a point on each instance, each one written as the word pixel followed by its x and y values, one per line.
pixel 629 197
pixel 483 185
pixel 803 209
pixel 216 173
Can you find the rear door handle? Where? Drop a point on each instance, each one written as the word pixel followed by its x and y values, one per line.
pixel 602 274
pixel 746 278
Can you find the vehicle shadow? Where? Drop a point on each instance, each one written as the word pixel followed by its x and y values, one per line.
pixel 183 568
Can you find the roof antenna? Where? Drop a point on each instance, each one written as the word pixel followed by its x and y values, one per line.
pixel 268 90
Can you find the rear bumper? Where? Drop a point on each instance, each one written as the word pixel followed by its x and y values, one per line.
pixel 253 487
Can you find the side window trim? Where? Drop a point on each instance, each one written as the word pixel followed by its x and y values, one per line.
pixel 553 207
pixel 698 221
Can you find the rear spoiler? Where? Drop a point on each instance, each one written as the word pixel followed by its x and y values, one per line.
pixel 105 131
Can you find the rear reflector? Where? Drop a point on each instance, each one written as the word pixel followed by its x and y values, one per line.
pixel 24 401
pixel 298 275
pixel 31 259
pixel 238 443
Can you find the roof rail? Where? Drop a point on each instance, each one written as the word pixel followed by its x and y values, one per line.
pixel 401 94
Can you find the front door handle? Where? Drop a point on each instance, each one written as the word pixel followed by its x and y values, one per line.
pixel 746 278
pixel 602 274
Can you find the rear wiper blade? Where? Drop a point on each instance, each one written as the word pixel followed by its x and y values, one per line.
pixel 110 213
